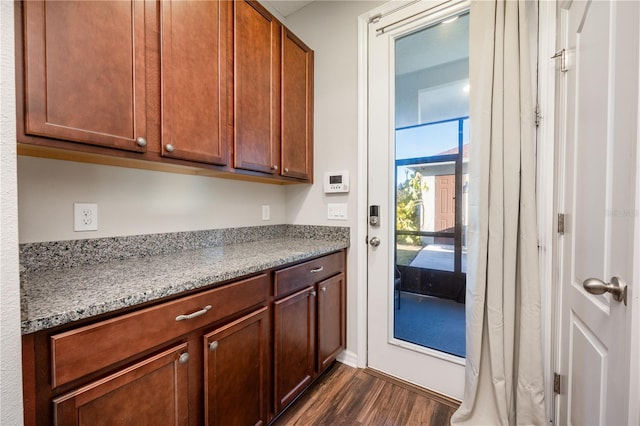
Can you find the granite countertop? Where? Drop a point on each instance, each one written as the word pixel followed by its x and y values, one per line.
pixel 52 297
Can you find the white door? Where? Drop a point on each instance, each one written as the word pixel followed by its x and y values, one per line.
pixel 432 369
pixel 598 185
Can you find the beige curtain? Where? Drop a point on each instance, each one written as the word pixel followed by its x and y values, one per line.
pixel 504 374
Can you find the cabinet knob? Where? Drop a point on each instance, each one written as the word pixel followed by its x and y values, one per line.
pixel 169 148
pixel 286 170
pixel 213 345
pixel 324 289
pixel 184 357
pixel 313 293
pixel 274 167
pixel 141 141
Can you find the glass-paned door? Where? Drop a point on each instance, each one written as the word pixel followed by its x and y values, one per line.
pixel 418 149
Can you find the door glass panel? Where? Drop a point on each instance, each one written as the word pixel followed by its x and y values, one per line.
pixel 431 153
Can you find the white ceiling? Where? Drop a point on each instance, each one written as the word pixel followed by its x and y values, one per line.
pixel 287 7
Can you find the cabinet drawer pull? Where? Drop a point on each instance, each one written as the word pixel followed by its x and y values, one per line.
pixel 184 357
pixel 213 345
pixel 194 314
pixel 320 269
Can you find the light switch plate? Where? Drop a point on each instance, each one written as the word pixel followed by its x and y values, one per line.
pixel 85 217
pixel 266 212
pixel 337 211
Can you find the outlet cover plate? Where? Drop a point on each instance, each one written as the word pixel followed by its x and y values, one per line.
pixel 337 211
pixel 85 217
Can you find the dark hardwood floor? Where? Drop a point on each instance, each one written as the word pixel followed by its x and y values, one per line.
pixel 352 396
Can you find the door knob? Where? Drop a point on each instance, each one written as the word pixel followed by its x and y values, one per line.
pixel 375 241
pixel 617 287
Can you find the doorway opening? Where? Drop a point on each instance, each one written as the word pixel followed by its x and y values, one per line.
pixel 431 181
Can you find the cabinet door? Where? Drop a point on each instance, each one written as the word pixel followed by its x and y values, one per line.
pixel 151 392
pixel 297 108
pixel 195 105
pixel 294 345
pixel 331 320
pixel 236 372
pixel 257 89
pixel 85 72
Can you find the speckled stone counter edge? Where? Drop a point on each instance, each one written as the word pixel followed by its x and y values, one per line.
pixel 73 253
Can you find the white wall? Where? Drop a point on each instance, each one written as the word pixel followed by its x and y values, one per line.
pixel 330 28
pixel 10 352
pixel 133 202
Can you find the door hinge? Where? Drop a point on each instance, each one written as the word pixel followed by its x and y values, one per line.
pixel 556 383
pixel 538 116
pixel 561 223
pixel 562 54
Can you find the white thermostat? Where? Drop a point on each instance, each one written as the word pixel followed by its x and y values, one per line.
pixel 336 181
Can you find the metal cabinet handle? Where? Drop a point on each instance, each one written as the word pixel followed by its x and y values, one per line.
pixel 141 141
pixel 184 357
pixel 313 293
pixel 316 270
pixel 213 345
pixel 274 167
pixel 324 289
pixel 194 314
pixel 286 170
pixel 617 287
pixel 169 148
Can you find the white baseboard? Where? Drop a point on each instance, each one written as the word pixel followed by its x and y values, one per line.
pixel 349 358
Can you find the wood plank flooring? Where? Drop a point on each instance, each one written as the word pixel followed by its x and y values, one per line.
pixel 352 396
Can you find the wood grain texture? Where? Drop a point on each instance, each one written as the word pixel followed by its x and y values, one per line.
pixel 297 107
pixel 257 88
pixel 194 84
pixel 236 372
pixel 351 396
pixel 94 92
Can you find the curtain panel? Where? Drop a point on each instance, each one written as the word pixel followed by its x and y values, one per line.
pixel 504 382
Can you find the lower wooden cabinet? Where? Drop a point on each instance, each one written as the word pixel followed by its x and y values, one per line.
pixel 231 355
pixel 331 320
pixel 294 345
pixel 153 391
pixel 237 372
pixel 309 325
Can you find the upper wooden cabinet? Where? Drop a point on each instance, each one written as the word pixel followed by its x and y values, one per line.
pixel 257 89
pixel 215 85
pixel 195 75
pixel 297 107
pixel 84 72
pixel 273 96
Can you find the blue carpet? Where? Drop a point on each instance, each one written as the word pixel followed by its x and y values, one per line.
pixel 431 322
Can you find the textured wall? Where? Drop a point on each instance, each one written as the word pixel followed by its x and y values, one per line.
pixel 10 364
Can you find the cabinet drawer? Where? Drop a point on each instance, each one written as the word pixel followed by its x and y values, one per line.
pixel 300 276
pixel 85 350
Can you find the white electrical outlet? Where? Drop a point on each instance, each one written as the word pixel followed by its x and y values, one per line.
pixel 85 217
pixel 266 212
